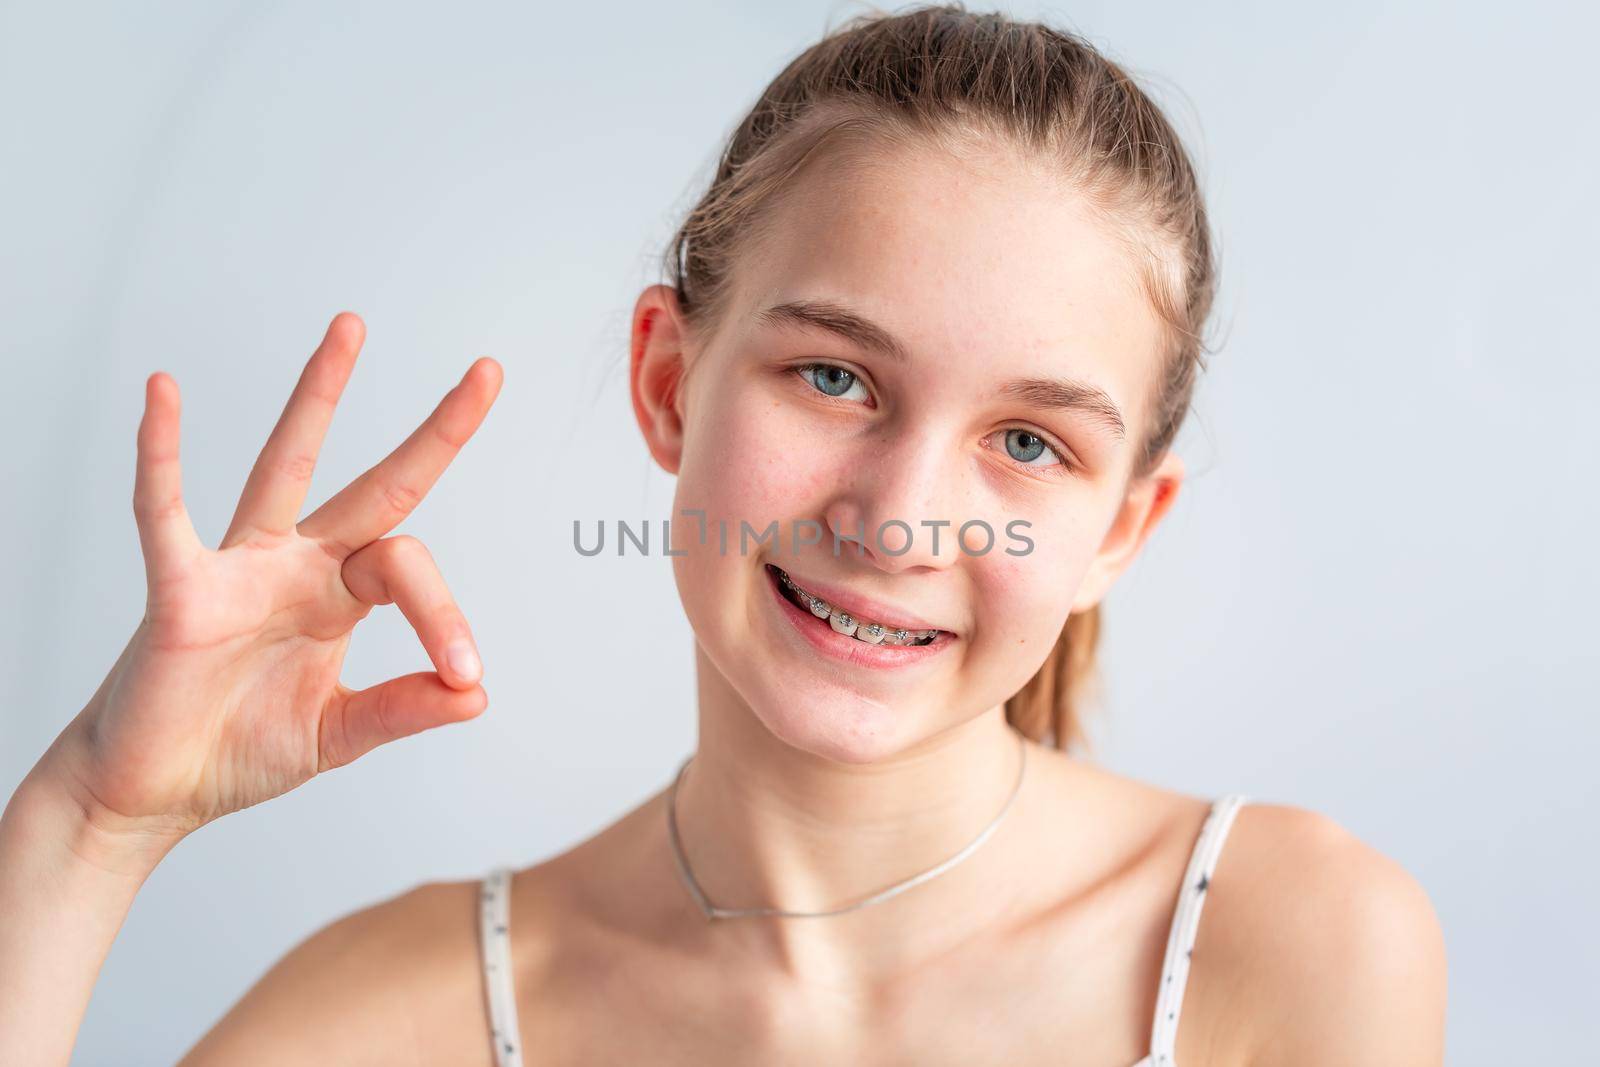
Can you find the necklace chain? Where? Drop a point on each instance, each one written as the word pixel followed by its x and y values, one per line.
pixel 712 911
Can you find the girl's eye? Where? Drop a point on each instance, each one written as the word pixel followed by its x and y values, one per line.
pixel 830 380
pixel 1027 447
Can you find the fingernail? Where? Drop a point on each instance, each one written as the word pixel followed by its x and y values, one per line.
pixel 463 660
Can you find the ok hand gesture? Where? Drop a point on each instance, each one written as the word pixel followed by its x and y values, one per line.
pixel 228 692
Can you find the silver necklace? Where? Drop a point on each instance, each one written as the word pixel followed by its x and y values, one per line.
pixel 711 911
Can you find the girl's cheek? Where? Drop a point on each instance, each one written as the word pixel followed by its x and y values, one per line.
pixel 772 466
pixel 1026 592
pixel 1009 587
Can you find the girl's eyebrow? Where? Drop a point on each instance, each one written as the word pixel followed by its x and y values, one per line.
pixel 1071 395
pixel 1061 393
pixel 837 319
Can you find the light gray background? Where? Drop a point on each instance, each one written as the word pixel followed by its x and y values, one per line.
pixel 1373 598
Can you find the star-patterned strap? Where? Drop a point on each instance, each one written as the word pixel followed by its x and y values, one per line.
pixel 1186 924
pixel 494 925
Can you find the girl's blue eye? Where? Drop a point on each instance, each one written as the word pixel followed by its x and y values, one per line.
pixel 1025 447
pixel 830 380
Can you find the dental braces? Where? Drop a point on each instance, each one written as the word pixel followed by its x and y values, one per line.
pixel 821 609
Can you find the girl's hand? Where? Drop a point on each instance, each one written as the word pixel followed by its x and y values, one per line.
pixel 228 692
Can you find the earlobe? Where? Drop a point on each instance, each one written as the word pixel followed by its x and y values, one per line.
pixel 656 373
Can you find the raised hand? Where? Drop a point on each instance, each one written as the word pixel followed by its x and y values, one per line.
pixel 228 692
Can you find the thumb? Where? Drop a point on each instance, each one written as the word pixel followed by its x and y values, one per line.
pixel 357 721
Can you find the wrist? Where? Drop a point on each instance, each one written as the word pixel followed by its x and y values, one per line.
pixel 57 808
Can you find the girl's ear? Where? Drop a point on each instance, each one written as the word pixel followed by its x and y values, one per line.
pixel 656 373
pixel 1142 510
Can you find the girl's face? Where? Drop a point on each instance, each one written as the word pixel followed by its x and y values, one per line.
pixel 924 339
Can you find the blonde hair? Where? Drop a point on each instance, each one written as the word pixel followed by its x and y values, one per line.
pixel 936 71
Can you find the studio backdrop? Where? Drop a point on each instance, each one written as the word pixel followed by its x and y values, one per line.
pixel 1374 597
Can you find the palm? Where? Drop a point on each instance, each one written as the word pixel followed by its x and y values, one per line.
pixel 228 693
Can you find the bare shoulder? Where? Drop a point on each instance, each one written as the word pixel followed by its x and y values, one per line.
pixel 396 982
pixel 1331 948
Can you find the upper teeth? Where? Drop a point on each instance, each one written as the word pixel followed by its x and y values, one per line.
pixel 873 633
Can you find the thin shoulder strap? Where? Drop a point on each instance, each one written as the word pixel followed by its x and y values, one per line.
pixel 1185 925
pixel 494 927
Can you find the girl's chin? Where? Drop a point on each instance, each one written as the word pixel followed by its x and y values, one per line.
pixel 837 727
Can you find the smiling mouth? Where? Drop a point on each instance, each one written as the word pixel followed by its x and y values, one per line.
pixel 867 631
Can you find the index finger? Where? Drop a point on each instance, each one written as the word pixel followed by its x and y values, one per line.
pixel 378 500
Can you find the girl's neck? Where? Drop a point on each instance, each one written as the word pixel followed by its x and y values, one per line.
pixel 767 824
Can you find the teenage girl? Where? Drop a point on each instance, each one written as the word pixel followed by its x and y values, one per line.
pixel 953 268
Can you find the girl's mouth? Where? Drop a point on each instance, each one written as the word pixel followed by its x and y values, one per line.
pixel 865 631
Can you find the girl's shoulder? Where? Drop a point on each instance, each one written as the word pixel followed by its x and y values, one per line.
pixel 1312 945
pixel 1329 949
pixel 397 981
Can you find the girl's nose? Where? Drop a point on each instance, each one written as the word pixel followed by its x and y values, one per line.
pixel 902 506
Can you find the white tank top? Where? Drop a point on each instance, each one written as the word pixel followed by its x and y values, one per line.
pixel 495 942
